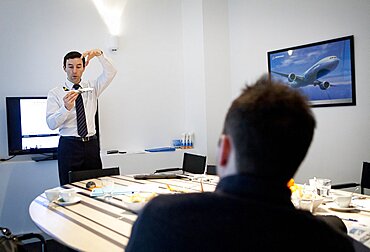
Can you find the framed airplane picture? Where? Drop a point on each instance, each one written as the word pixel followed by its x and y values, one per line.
pixel 324 71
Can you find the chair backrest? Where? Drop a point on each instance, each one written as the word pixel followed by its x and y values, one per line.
pixel 365 177
pixel 211 170
pixel 194 163
pixel 10 242
pixel 75 176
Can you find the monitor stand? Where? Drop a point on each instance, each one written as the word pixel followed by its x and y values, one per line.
pixel 46 157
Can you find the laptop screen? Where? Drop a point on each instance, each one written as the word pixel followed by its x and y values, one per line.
pixel 194 163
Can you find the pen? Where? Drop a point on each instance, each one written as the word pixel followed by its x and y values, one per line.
pixel 174 190
pixel 170 188
pixel 349 219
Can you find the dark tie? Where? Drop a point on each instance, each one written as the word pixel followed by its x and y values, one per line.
pixel 80 112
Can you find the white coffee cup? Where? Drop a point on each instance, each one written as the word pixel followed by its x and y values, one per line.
pixel 68 195
pixel 343 201
pixel 52 194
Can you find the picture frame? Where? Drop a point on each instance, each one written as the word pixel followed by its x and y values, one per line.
pixel 324 71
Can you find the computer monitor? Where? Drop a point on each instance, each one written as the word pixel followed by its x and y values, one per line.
pixel 28 132
pixel 194 163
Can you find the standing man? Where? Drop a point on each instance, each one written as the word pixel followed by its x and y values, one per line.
pixel 267 132
pixel 73 112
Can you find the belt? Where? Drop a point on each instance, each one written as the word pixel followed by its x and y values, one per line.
pixel 82 139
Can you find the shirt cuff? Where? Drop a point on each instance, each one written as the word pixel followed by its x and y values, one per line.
pixel 64 110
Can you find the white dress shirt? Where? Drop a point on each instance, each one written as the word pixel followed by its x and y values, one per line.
pixel 57 116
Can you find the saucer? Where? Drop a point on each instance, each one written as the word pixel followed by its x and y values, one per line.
pixel 343 209
pixel 67 203
pixel 134 206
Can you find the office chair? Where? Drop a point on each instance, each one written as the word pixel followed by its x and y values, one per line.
pixel 344 185
pixel 365 177
pixel 10 242
pixel 75 176
pixel 365 180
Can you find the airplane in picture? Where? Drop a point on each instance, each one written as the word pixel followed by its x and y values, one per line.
pixel 313 74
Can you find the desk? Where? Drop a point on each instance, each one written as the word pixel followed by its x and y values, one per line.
pixel 134 163
pixel 96 224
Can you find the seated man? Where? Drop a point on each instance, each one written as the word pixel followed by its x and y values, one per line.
pixel 267 132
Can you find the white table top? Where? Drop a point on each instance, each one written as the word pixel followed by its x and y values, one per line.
pixel 356 218
pixel 97 224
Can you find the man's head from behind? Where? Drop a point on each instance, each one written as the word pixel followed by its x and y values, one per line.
pixel 74 66
pixel 267 132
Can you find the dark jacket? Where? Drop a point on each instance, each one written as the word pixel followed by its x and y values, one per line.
pixel 243 214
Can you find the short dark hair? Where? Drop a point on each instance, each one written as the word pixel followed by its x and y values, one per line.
pixel 271 126
pixel 73 55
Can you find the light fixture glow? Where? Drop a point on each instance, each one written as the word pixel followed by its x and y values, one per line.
pixel 111 13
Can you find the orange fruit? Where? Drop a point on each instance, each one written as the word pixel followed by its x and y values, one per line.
pixel 290 183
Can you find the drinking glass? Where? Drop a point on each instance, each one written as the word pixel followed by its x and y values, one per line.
pixel 323 187
pixel 108 186
pixel 306 200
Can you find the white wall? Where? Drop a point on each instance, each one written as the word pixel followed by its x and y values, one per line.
pixel 342 138
pixel 217 70
pixel 145 107
pixel 194 85
pixel 145 104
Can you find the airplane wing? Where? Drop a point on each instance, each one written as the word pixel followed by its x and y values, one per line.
pixel 291 77
pixel 282 74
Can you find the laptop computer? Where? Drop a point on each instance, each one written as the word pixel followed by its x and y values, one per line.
pixel 191 163
pixel 195 164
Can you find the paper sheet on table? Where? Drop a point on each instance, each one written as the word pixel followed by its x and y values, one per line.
pixel 362 204
pixel 361 234
pixel 119 190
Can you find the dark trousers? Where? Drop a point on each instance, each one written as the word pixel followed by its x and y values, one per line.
pixel 75 155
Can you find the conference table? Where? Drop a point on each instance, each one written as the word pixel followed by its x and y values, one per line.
pixel 104 224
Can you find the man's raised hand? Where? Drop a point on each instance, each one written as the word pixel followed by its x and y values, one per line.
pixel 88 55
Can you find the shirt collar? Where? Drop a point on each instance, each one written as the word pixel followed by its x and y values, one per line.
pixel 69 85
pixel 255 187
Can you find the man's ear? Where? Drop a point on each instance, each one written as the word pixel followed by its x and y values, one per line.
pixel 64 68
pixel 225 149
